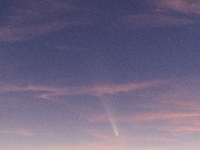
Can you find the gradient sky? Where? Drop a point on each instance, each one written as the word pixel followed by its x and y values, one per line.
pixel 99 74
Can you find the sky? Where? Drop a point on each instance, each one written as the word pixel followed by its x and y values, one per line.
pixel 99 75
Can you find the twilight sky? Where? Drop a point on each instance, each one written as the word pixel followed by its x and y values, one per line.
pixel 99 74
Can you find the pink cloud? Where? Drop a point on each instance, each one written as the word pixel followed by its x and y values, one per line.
pixel 50 92
pixel 141 117
pixel 185 6
pixel 111 138
pixel 161 116
pixel 18 132
pixel 41 17
pixel 151 20
pixel 104 146
pixel 163 13
pixel 181 128
pixel 89 146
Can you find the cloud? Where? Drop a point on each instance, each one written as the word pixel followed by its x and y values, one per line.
pixel 83 146
pixel 18 132
pixel 163 13
pixel 31 19
pixel 145 117
pixel 86 146
pixel 151 20
pixel 181 128
pixel 184 6
pixel 96 146
pixel 102 146
pixel 109 138
pixel 49 92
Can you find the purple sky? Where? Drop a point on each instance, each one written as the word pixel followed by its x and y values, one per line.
pixel 99 75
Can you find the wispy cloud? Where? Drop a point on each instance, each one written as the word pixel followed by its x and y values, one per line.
pixel 144 117
pixel 155 19
pixel 185 6
pixel 19 132
pixel 181 128
pixel 163 13
pixel 106 146
pixel 96 146
pixel 110 138
pixel 86 146
pixel 41 17
pixel 50 92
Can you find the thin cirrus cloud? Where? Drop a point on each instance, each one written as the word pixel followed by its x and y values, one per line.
pixel 181 128
pixel 182 101
pixel 151 20
pixel 50 92
pixel 96 146
pixel 147 117
pixel 42 17
pixel 105 146
pixel 163 13
pixel 185 6
pixel 88 146
pixel 18 132
pixel 121 139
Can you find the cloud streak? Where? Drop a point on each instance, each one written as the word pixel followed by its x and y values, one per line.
pixel 163 13
pixel 184 6
pixel 42 17
pixel 152 20
pixel 182 128
pixel 50 92
pixel 121 138
pixel 143 117
pixel 18 132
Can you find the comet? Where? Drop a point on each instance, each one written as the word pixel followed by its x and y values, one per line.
pixel 110 117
